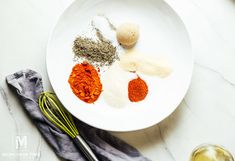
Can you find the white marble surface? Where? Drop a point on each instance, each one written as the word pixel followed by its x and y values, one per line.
pixel 206 115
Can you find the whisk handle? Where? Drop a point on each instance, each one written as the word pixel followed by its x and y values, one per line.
pixel 84 147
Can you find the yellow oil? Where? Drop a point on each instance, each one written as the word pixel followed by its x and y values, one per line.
pixel 211 153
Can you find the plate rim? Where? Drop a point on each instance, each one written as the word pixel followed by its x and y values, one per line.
pixel 129 129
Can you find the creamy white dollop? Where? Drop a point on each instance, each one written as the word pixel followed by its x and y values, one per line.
pixel 115 86
pixel 135 61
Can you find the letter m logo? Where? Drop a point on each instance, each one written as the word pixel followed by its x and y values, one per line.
pixel 21 142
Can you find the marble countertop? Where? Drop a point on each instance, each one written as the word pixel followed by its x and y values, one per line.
pixel 206 115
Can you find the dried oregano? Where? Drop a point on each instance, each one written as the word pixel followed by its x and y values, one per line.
pixel 96 52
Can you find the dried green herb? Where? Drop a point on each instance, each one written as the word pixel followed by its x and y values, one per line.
pixel 97 53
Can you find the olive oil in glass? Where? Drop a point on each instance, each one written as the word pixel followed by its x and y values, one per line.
pixel 211 153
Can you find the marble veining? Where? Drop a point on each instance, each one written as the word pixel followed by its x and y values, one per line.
pixel 11 113
pixel 38 151
pixel 206 115
pixel 165 144
pixel 214 71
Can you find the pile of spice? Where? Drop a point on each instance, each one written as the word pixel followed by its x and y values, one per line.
pixel 98 53
pixel 85 82
pixel 137 90
pixel 115 85
pixel 118 83
pixel 151 66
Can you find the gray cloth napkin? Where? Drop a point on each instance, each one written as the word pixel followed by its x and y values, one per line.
pixel 27 84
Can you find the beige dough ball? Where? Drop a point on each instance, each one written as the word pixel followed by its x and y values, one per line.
pixel 127 34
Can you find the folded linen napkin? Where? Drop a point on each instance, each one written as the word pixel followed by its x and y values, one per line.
pixel 27 84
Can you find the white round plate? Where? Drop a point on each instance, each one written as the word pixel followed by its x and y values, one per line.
pixel 162 33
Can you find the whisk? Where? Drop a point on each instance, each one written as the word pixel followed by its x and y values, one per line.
pixel 55 112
